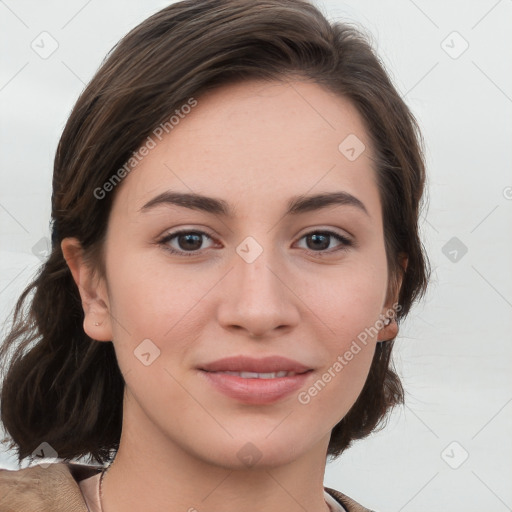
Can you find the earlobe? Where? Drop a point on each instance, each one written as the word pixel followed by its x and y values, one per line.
pixel 389 330
pixel 92 292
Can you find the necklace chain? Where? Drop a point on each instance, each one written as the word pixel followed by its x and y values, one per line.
pixel 100 487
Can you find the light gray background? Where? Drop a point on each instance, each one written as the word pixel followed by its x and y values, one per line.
pixel 454 351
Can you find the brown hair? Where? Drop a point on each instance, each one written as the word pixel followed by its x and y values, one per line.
pixel 66 389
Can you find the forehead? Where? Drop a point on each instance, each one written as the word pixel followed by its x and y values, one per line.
pixel 257 137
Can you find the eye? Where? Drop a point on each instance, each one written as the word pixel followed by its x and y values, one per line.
pixel 319 241
pixel 188 242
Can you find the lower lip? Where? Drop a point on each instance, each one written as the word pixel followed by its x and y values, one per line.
pixel 256 391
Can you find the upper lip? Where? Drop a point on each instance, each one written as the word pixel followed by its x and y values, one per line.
pixel 267 364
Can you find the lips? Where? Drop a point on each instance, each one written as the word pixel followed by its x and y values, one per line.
pixel 256 381
pixel 269 364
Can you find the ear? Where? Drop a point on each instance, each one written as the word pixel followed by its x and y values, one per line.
pixel 390 331
pixel 93 292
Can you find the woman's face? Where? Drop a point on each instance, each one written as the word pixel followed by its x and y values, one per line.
pixel 258 272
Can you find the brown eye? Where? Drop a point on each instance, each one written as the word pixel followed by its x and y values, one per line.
pixel 185 242
pixel 320 241
pixel 190 241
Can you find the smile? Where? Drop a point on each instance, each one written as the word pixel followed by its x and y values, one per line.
pixel 256 388
pixel 254 375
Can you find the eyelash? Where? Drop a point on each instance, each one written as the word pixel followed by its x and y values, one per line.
pixel 346 243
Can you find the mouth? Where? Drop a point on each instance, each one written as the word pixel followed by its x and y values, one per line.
pixel 251 367
pixel 256 381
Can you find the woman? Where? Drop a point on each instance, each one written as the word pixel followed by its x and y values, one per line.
pixel 235 238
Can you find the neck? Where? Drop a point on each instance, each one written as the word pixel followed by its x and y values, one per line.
pixel 152 473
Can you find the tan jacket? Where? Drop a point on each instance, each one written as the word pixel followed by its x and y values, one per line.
pixel 54 488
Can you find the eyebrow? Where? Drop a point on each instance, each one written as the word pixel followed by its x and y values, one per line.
pixel 296 205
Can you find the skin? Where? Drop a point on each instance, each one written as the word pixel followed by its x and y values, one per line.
pixel 255 145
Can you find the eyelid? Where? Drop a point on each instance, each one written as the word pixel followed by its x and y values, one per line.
pixel 343 233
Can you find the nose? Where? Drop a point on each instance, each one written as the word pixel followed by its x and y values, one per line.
pixel 258 298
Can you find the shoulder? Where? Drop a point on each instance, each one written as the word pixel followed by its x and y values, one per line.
pixel 45 487
pixel 349 504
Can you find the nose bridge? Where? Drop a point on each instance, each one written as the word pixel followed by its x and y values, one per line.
pixel 257 298
pixel 255 274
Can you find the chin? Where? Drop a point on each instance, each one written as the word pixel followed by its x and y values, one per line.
pixel 256 451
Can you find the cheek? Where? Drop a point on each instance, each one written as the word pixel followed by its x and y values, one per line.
pixel 348 299
pixel 147 303
pixel 153 325
pixel 338 383
pixel 348 305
